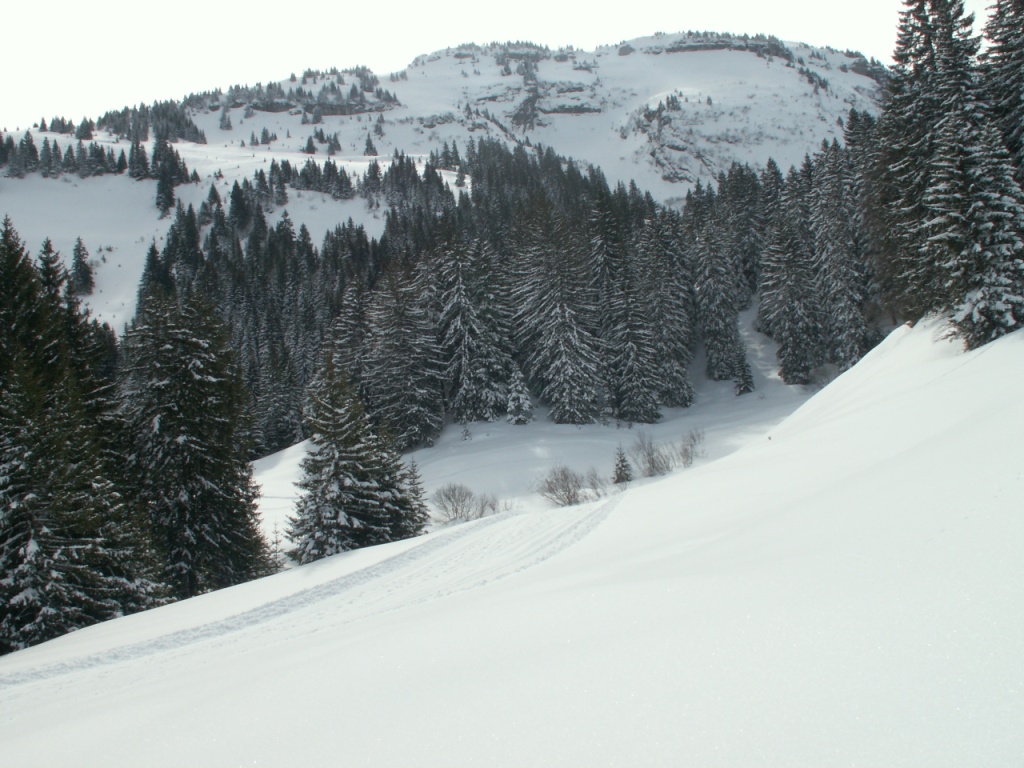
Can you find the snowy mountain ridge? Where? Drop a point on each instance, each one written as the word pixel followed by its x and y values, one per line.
pixel 666 110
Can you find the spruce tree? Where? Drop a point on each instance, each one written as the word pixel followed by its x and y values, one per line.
pixel 791 305
pixel 70 554
pixel 186 408
pixel 840 247
pixel 1003 77
pixel 667 281
pixel 520 406
pixel 907 138
pixel 554 322
pixel 973 234
pixel 403 362
pixel 476 368
pixel 354 492
pixel 82 280
pixel 716 303
pixel 623 473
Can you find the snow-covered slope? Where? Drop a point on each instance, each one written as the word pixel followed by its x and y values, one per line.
pixel 665 111
pixel 844 589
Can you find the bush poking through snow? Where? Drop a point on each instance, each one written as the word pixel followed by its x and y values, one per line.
pixel 566 487
pixel 456 502
pixel 562 485
pixel 692 447
pixel 652 460
pixel 596 483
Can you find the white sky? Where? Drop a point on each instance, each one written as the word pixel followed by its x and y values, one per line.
pixel 71 59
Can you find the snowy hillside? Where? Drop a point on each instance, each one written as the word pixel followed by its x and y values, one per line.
pixel 843 589
pixel 665 111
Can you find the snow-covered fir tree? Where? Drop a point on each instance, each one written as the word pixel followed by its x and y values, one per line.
pixel 403 363
pixel 70 551
pixel 553 320
pixel 476 368
pixel 354 491
pixel 186 406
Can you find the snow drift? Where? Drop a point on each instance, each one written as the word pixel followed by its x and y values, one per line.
pixel 845 589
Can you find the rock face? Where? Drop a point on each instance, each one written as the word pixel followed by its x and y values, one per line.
pixel 666 110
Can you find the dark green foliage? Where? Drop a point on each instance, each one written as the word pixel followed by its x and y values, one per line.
pixel 355 492
pixel 1003 77
pixel 791 304
pixel 953 225
pixel 555 317
pixel 623 472
pixel 186 407
pixel 403 373
pixel 82 281
pixel 477 370
pixel 519 409
pixel 71 552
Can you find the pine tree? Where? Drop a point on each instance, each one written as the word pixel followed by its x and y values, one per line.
pixel 553 319
pixel 82 281
pixel 790 302
pixel 475 365
pixel 907 129
pixel 1003 76
pixel 840 247
pixel 354 493
pixel 973 234
pixel 623 473
pixel 403 363
pixel 69 552
pixel 519 409
pixel 668 284
pixel 633 385
pixel 716 303
pixel 186 409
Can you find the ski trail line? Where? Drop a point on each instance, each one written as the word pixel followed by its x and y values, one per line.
pixel 460 559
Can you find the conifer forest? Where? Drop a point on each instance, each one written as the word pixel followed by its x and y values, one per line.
pixel 125 460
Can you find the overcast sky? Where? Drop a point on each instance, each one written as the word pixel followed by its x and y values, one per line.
pixel 73 59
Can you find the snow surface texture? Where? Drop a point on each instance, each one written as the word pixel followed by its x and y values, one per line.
pixel 843 589
pixel 598 107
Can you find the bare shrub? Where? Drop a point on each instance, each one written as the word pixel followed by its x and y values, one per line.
pixel 455 502
pixel 692 447
pixel 652 460
pixel 487 504
pixel 561 485
pixel 596 483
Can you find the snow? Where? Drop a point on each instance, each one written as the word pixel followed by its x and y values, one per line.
pixel 761 108
pixel 841 586
pixel 837 582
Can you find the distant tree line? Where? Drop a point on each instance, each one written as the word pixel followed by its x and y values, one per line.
pixel 165 165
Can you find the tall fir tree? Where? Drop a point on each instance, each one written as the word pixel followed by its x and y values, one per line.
pixel 476 369
pixel 403 362
pixel 973 235
pixel 70 553
pixel 353 491
pixel 554 321
pixel 186 407
pixel 82 280
pixel 1003 76
pixel 791 304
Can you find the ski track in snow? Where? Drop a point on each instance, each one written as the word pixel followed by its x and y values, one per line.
pixel 462 558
